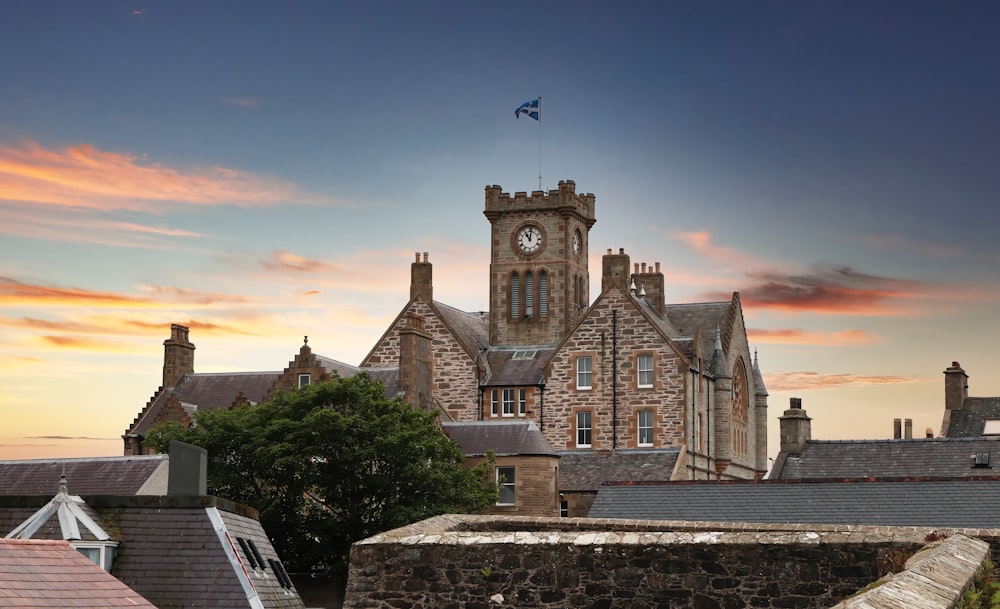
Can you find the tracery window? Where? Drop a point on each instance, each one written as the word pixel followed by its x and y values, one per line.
pixel 740 409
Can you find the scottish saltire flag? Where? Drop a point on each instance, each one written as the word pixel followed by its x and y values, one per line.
pixel 528 108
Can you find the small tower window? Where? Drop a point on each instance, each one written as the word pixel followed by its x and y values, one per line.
pixel 515 295
pixel 543 294
pixel 304 379
pixel 529 294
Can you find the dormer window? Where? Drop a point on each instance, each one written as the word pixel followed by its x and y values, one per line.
pixel 101 554
pixel 304 379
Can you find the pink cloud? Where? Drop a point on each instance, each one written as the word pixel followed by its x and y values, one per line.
pixel 846 338
pixel 805 381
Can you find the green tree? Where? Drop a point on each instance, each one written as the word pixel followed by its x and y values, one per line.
pixel 332 463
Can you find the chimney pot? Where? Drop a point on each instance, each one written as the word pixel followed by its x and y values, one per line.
pixel 795 402
pixel 416 256
pixel 636 267
pixel 897 429
pixel 425 256
pixel 643 267
pixel 908 429
pixel 609 251
pixel 621 250
pixel 657 267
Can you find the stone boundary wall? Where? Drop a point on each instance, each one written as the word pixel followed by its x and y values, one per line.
pixel 487 562
pixel 936 577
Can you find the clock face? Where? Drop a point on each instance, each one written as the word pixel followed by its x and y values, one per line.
pixel 577 242
pixel 529 239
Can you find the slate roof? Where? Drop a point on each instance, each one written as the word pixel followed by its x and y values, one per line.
pixel 585 470
pixel 969 503
pixel 470 329
pixel 45 573
pixel 504 438
pixel 902 458
pixel 94 475
pixel 507 372
pixel 705 316
pixel 389 377
pixel 971 419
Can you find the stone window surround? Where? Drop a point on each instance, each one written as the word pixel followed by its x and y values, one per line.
pixel 583 421
pixel 506 476
pixel 579 373
pixel 650 426
pixel 639 370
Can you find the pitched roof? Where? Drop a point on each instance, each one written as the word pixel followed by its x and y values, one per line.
pixel 47 573
pixel 971 419
pixel 92 475
pixel 470 329
pixel 903 458
pixel 960 503
pixel 74 521
pixel 504 438
pixel 708 317
pixel 585 470
pixel 506 370
pixel 389 377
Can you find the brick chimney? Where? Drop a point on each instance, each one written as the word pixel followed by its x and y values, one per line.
pixel 415 363
pixel 420 279
pixel 956 387
pixel 615 270
pixel 178 355
pixel 796 428
pixel 649 281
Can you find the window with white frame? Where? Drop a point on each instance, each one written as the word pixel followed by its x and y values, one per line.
pixel 304 379
pixel 508 402
pixel 494 403
pixel 645 422
pixel 583 429
pixel 522 402
pixel 584 372
pixel 505 485
pixel 645 370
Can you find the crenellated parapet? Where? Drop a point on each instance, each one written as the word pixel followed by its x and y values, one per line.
pixel 562 199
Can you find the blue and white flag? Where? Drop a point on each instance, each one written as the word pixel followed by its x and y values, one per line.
pixel 528 108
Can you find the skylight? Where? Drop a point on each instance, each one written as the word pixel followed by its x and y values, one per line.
pixel 526 354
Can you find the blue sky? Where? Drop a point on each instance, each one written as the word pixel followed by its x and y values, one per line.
pixel 263 171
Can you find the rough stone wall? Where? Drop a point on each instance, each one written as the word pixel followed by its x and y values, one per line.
pixel 455 384
pixel 478 563
pixel 593 338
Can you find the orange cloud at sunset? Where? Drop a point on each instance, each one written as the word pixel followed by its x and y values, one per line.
pixel 16 293
pixel 85 344
pixel 84 176
pixel 701 242
pixel 846 338
pixel 287 261
pixel 804 381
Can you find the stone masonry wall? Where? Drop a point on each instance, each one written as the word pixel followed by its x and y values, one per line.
pixel 485 562
pixel 455 384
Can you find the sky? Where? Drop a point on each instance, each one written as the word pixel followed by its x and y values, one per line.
pixel 264 171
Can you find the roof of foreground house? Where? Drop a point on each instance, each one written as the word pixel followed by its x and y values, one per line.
pixel 970 421
pixel 146 475
pixel 585 470
pixel 959 503
pixel 50 573
pixel 504 438
pixel 898 458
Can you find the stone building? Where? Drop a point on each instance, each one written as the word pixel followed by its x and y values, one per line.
pixel 624 387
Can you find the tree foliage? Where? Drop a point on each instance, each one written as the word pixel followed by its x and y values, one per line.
pixel 332 463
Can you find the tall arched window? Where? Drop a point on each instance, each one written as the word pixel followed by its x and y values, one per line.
pixel 515 295
pixel 741 409
pixel 543 293
pixel 529 294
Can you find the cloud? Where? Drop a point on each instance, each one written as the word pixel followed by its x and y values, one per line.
pixel 242 102
pixel 84 176
pixel 83 344
pixel 287 261
pixel 701 242
pixel 119 326
pixel 15 293
pixel 806 381
pixel 66 438
pixel 846 338
pixel 898 242
pixel 829 290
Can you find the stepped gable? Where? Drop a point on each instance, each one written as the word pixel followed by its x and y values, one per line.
pixel 507 370
pixel 959 503
pixel 504 438
pixel 90 476
pixel 582 470
pixel 969 421
pixel 898 458
pixel 44 573
pixel 204 390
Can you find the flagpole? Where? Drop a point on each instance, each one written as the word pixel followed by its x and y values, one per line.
pixel 539 142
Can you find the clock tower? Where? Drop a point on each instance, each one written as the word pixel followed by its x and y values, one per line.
pixel 539 276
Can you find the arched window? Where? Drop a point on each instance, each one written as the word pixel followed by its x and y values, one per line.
pixel 543 293
pixel 529 294
pixel 741 409
pixel 515 295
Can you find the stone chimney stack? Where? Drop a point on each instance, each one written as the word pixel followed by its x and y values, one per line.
pixel 897 429
pixel 649 280
pixel 615 270
pixel 420 279
pixel 908 429
pixel 956 387
pixel 415 361
pixel 178 355
pixel 796 428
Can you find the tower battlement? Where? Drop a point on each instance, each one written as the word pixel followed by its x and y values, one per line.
pixel 563 198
